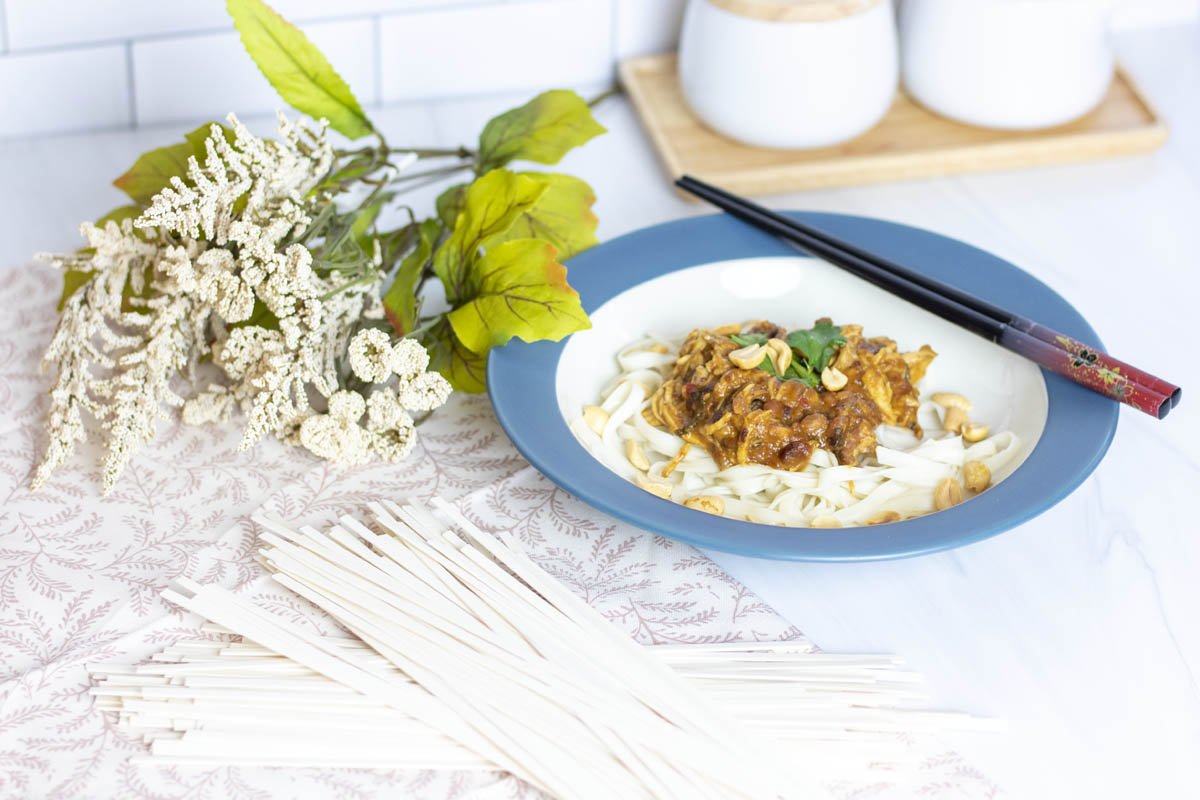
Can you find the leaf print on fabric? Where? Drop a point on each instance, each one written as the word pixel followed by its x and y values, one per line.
pixel 80 576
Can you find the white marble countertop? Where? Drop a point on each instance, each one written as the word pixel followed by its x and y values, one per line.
pixel 1081 627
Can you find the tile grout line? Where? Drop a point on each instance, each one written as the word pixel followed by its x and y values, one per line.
pixel 129 83
pixel 196 32
pixel 377 21
pixel 613 45
pixel 507 95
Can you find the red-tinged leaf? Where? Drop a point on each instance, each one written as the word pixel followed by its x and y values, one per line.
pixel 400 301
pixel 466 370
pixel 153 170
pixel 517 289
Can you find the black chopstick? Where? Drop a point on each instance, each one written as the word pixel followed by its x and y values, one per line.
pixel 1082 364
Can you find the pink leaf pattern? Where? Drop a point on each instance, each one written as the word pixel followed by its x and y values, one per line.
pixel 80 577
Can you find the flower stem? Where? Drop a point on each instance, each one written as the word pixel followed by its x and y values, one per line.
pixel 436 152
pixel 446 170
pixel 420 329
pixel 365 280
pixel 600 98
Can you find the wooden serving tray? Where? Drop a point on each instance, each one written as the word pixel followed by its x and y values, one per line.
pixel 909 142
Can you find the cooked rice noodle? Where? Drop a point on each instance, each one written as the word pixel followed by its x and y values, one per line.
pixel 902 476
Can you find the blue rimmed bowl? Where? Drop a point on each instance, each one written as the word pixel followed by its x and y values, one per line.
pixel 706 271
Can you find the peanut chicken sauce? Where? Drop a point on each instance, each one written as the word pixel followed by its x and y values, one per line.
pixel 748 416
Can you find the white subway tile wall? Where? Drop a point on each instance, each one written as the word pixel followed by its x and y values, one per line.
pixel 78 89
pixel 88 64
pixel 53 23
pixel 480 50
pixel 208 75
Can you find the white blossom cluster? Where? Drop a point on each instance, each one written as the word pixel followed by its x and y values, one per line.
pixel 190 278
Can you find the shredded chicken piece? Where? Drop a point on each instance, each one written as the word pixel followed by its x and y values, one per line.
pixel 744 416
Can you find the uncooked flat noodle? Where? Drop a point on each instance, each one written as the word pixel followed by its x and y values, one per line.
pixel 902 477
pixel 464 654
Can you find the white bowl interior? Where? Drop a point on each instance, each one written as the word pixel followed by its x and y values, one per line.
pixel 1006 390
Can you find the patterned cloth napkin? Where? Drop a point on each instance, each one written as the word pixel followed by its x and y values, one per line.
pixel 80 577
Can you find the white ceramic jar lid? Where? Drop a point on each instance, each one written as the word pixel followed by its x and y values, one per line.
pixel 795 10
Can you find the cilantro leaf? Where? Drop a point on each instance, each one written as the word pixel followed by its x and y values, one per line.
pixel 747 339
pixel 797 370
pixel 800 372
pixel 817 344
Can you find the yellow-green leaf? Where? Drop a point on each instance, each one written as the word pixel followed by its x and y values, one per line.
pixel 466 371
pixel 450 203
pixel 400 302
pixel 542 130
pixel 562 216
pixel 491 206
pixel 196 138
pixel 363 222
pixel 519 289
pixel 73 280
pixel 152 172
pixel 119 215
pixel 299 71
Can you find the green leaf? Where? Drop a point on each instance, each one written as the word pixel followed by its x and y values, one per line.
pixel 363 223
pixel 466 370
pixel 817 344
pixel 450 204
pixel 73 280
pixel 562 216
pixel 400 302
pixel 197 137
pixel 542 130
pixel 800 372
pixel 747 339
pixel 260 316
pixel 303 76
pixel 797 370
pixel 394 243
pixel 491 206
pixel 119 215
pixel 519 290
pixel 152 172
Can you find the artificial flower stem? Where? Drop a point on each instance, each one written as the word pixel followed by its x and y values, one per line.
pixel 420 329
pixel 436 152
pixel 440 171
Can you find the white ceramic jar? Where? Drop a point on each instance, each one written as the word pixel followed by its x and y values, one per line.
pixel 1014 64
pixel 789 73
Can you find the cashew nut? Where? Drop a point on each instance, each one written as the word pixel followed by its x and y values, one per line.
pixel 948 493
pixel 636 455
pixel 596 418
pixel 780 353
pixel 748 357
pixel 976 476
pixel 884 517
pixel 655 488
pixel 954 420
pixel 707 503
pixel 833 379
pixel 951 400
pixel 825 521
pixel 727 330
pixel 975 433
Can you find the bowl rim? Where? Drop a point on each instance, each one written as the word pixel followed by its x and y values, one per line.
pixel 1080 424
